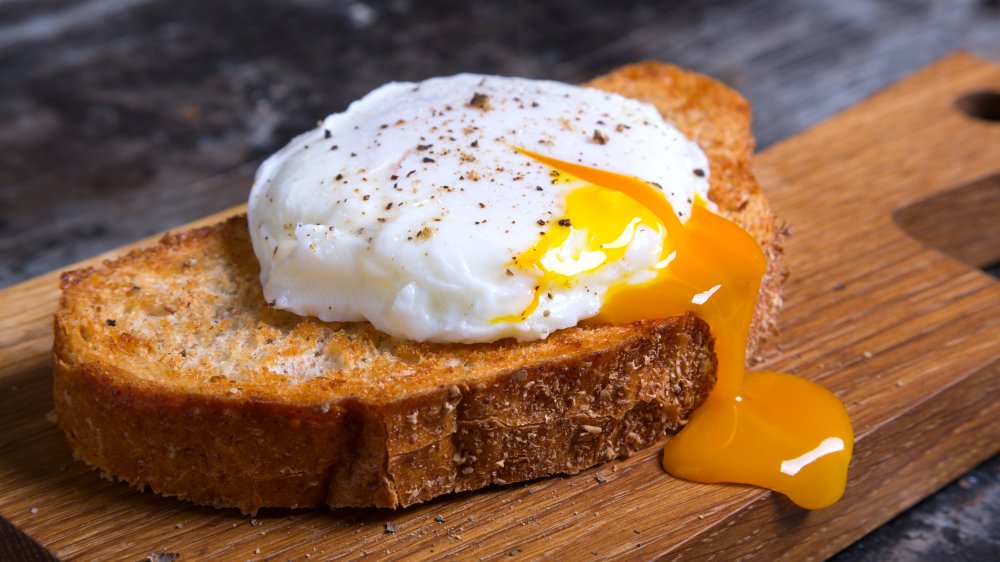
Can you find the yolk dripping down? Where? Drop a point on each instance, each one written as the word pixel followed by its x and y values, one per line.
pixel 770 429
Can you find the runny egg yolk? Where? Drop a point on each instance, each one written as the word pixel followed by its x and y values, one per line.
pixel 770 429
pixel 564 251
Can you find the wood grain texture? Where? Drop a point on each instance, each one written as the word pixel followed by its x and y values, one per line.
pixel 975 206
pixel 907 336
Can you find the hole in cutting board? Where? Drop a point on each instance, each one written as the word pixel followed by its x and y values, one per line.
pixel 963 222
pixel 984 105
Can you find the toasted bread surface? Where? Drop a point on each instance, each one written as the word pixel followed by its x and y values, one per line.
pixel 172 372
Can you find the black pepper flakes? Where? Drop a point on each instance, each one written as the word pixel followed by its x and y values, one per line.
pixel 111 322
pixel 327 134
pixel 699 172
pixel 389 206
pixel 424 146
pixel 564 222
pixel 480 101
pixel 541 222
pixel 366 197
pixel 428 160
pixel 339 177
pixel 334 147
pixel 599 137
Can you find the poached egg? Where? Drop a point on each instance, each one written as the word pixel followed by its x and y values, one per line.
pixel 420 209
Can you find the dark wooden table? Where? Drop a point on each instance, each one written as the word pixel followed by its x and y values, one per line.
pixel 123 118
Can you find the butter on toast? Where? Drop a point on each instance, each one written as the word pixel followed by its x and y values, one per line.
pixel 172 372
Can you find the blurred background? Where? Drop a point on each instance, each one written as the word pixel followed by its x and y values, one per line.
pixel 123 118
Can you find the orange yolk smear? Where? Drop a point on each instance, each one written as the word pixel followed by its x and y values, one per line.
pixel 770 429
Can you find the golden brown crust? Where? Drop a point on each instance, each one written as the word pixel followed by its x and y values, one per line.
pixel 171 371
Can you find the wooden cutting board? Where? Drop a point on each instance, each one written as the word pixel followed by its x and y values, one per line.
pixel 904 331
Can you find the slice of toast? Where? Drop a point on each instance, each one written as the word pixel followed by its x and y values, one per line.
pixel 172 372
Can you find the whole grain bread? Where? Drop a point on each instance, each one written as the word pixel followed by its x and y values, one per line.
pixel 172 372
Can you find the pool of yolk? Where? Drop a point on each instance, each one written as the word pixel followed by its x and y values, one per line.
pixel 770 429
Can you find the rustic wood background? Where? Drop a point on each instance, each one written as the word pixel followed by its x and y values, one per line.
pixel 122 118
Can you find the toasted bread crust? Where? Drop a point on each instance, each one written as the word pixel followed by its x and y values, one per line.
pixel 172 372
